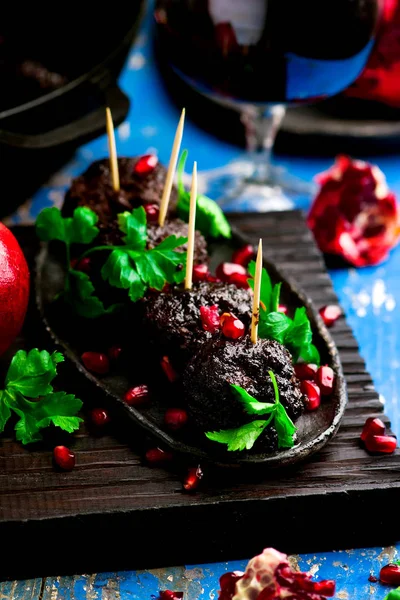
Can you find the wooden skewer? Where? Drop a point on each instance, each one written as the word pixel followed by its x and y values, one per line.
pixel 256 299
pixel 191 231
pixel 112 150
pixel 171 170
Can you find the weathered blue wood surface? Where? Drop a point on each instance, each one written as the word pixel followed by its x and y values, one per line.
pixel 369 296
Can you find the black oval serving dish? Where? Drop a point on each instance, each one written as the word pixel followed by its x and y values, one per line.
pixel 72 336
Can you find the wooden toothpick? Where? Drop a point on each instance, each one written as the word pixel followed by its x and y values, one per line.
pixel 171 170
pixel 256 299
pixel 112 150
pixel 191 231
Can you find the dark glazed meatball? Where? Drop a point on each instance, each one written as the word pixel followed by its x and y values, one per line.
pixel 172 324
pixel 220 362
pixel 94 190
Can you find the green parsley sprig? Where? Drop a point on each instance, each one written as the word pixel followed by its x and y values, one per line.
pixel 393 594
pixel 295 334
pixel 210 219
pixel 29 394
pixel 245 436
pixel 130 266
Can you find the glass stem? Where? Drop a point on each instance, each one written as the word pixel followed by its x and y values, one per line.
pixel 261 127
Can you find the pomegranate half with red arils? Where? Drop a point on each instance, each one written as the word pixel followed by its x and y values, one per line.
pixel 269 576
pixel 354 214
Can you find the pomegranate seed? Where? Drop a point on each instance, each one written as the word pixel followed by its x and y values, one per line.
pixel 200 273
pixel 168 369
pixel 114 353
pixel 158 456
pixel 210 318
pixel 330 314
pixel 175 418
pixel 152 212
pixel 283 309
pixel 373 579
pixel 227 584
pixel 146 164
pixel 64 458
pixel 168 595
pixel 390 574
pixel 372 427
pixel 193 478
pixel 213 279
pixel 99 417
pixel 240 280
pixel 82 265
pixel 385 444
pixel 325 588
pixel 97 362
pixel 137 396
pixel 232 327
pixel 305 371
pixel 312 394
pixel 325 379
pixel 243 256
pixel 225 271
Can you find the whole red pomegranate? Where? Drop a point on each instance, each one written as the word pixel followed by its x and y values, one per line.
pixel 14 288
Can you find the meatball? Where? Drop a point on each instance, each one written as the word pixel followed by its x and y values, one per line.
pixel 172 323
pixel 157 234
pixel 219 363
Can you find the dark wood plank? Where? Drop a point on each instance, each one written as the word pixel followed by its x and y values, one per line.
pixel 85 520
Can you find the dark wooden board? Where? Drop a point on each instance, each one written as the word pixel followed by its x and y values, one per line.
pixel 113 512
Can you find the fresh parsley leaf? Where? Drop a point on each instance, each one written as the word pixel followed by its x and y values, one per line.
pixel 29 394
pixel 251 405
pixel 134 225
pixel 79 294
pixel 78 229
pixel 269 294
pixel 273 326
pixel 310 354
pixel 241 438
pixel 245 436
pixel 210 219
pixel 393 595
pixel 31 373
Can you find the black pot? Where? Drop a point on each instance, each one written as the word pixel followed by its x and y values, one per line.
pixel 88 49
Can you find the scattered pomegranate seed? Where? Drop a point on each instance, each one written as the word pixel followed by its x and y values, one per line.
pixel 225 271
pixel 64 458
pixel 390 574
pixel 325 588
pixel 232 327
pixel 168 369
pixel 325 379
pixel 385 444
pixel 168 595
pixel 193 478
pixel 210 318
pixel 158 456
pixel 83 265
pixel 243 256
pixel 372 427
pixel 330 314
pixel 240 280
pixel 306 371
pixel 114 353
pixel 175 418
pixel 97 362
pixel 146 164
pixel 99 417
pixel 152 212
pixel 312 394
pixel 200 273
pixel 137 396
pixel 373 579
pixel 283 309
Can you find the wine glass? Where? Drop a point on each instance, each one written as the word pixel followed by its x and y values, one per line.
pixel 259 56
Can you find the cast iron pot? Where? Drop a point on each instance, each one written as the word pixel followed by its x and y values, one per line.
pixel 89 49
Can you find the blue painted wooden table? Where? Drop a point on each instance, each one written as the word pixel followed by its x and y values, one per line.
pixel 369 297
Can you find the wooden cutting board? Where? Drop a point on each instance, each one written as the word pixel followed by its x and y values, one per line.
pixel 112 512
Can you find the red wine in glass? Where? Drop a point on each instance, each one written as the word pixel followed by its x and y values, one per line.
pixel 261 55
